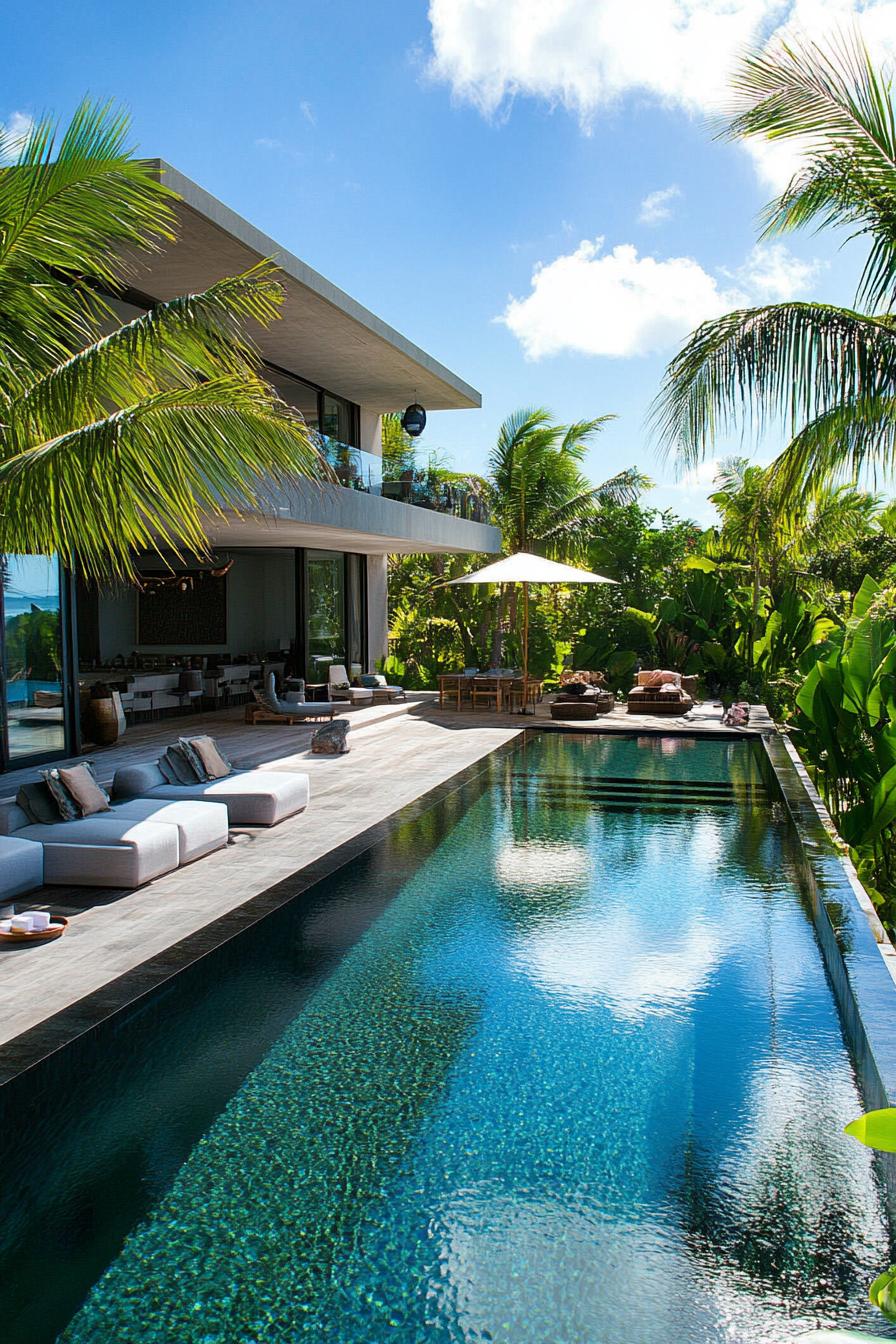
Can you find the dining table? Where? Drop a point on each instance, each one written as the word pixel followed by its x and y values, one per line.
pixel 507 689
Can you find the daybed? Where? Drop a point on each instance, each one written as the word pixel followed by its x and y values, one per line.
pixel 21 870
pixel 252 797
pixel 586 705
pixel 659 693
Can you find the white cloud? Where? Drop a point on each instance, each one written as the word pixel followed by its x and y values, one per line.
pixel 16 129
pixel 657 206
pixel 618 303
pixel 772 274
pixel 307 112
pixel 586 54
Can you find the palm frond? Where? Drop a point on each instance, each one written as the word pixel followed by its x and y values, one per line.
pixel 151 475
pixel 793 360
pixel 839 108
pixel 194 336
pixel 847 441
pixel 577 437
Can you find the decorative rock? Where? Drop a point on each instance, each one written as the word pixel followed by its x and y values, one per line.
pixel 331 739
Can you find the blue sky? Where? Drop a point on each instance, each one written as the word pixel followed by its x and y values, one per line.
pixel 429 157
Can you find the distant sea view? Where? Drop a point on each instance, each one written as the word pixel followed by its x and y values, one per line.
pixel 15 603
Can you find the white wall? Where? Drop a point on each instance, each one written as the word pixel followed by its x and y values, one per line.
pixel 377 609
pixel 371 432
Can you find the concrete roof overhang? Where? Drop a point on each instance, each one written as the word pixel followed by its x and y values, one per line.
pixel 324 335
pixel 332 517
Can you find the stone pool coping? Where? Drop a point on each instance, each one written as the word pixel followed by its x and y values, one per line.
pixel 860 959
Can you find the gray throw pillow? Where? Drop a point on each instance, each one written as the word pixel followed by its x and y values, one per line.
pixel 179 766
pixel 38 803
pixel 67 807
pixel 194 760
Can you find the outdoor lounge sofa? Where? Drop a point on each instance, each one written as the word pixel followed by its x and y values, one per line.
pixel 585 704
pixel 107 849
pixel 252 797
pixel 21 869
pixel 659 693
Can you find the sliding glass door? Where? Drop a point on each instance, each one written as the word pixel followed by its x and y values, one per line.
pixel 324 613
pixel 33 694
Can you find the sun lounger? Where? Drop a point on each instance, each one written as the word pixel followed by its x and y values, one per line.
pixel 291 708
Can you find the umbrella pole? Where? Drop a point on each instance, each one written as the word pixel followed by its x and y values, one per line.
pixel 524 708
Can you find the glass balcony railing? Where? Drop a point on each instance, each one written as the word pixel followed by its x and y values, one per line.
pixel 354 468
pixel 358 470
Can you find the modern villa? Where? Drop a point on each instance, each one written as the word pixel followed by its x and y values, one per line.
pixel 515 1003
pixel 308 577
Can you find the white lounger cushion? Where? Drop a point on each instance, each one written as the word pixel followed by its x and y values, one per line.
pixel 201 827
pixel 252 797
pixel 104 850
pixel 339 688
pixel 21 867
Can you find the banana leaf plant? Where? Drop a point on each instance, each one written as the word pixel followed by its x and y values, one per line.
pixel 877 1130
pixel 846 721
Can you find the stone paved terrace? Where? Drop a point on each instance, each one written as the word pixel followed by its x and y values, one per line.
pixel 399 753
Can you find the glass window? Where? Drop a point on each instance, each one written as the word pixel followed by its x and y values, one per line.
pixel 296 393
pixel 355 608
pixel 338 420
pixel 324 612
pixel 33 701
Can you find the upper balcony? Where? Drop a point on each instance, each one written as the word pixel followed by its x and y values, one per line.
pixel 358 470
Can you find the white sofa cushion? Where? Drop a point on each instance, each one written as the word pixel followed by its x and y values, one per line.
pixel 252 797
pixel 105 850
pixel 201 827
pixel 21 867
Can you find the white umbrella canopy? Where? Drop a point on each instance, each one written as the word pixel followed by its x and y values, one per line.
pixel 525 569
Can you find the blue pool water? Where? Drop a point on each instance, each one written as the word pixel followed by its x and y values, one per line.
pixel 557 1062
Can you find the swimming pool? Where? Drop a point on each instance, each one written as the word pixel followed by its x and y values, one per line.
pixel 558 1060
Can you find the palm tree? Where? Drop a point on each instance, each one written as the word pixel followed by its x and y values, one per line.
pixel 828 372
pixel 772 535
pixel 541 498
pixel 120 437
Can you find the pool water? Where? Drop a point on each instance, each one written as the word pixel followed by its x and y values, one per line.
pixel 558 1062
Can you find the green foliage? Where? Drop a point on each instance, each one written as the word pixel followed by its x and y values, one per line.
pixel 846 717
pixel 877 1129
pixel 33 648
pixel 828 373
pixel 119 440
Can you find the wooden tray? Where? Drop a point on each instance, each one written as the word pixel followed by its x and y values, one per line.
pixel 56 930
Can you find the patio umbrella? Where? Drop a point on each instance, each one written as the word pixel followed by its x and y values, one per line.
pixel 525 569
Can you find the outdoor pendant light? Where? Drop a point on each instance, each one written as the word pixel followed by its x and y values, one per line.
pixel 413 422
